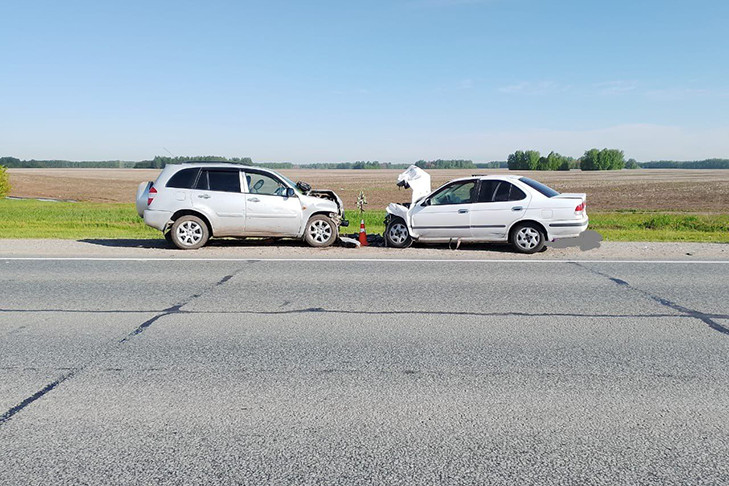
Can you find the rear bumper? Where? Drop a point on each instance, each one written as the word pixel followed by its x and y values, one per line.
pixel 157 219
pixel 566 229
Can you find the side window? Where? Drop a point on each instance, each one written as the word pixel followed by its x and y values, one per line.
pixel 497 191
pixel 487 191
pixel 456 193
pixel 219 180
pixel 183 179
pixel 516 194
pixel 502 192
pixel 264 184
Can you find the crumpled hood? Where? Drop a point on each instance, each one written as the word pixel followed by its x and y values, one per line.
pixel 416 179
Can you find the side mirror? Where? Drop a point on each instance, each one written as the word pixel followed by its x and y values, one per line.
pixel 290 192
pixel 426 202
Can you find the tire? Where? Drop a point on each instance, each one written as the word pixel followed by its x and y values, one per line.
pixel 189 233
pixel 527 238
pixel 320 231
pixel 397 234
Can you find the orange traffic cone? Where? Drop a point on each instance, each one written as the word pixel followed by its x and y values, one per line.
pixel 362 234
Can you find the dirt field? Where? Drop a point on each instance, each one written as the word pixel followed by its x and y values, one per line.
pixel 661 190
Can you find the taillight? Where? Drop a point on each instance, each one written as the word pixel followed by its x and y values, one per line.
pixel 580 208
pixel 152 193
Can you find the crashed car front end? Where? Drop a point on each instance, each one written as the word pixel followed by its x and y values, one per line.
pixel 418 181
pixel 336 215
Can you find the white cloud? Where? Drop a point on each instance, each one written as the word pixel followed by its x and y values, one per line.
pixel 535 88
pixel 607 88
pixel 674 94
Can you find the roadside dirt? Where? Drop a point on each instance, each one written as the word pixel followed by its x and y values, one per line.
pixel 702 191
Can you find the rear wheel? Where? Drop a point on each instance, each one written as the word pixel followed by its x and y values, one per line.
pixel 527 238
pixel 397 234
pixel 189 233
pixel 320 231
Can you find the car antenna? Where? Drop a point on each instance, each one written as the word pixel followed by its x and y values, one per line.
pixel 171 155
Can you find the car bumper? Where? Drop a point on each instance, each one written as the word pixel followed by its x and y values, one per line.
pixel 157 219
pixel 566 229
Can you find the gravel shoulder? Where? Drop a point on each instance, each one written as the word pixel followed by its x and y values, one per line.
pixel 256 249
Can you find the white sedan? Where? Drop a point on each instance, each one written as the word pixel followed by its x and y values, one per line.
pixel 498 208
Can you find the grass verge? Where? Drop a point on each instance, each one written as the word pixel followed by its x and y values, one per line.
pixel 29 218
pixel 41 219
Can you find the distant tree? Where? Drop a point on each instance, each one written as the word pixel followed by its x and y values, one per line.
pixel 674 164
pixel 632 164
pixel 524 160
pixel 4 181
pixel 495 164
pixel 445 164
pixel 605 159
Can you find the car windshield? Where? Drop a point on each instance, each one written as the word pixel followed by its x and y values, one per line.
pixel 538 186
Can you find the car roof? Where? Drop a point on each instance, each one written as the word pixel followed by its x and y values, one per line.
pixel 487 176
pixel 212 163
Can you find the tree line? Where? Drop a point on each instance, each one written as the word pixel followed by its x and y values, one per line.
pixel 694 164
pixel 593 159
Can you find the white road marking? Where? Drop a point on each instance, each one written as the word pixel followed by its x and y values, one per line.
pixel 356 260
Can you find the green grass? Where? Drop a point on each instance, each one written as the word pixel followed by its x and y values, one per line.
pixel 39 219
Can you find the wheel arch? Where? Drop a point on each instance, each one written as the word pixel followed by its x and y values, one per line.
pixel 190 212
pixel 536 223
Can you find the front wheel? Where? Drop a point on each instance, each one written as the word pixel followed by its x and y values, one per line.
pixel 397 234
pixel 527 238
pixel 320 231
pixel 189 233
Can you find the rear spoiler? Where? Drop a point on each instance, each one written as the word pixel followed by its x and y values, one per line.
pixel 572 195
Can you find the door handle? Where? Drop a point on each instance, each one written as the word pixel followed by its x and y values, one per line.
pixel 204 196
pixel 254 199
pixel 462 211
pixel 517 208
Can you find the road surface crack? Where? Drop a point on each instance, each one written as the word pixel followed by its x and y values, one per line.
pixel 6 416
pixel 706 318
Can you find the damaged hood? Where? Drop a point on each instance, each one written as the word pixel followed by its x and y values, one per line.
pixel 416 179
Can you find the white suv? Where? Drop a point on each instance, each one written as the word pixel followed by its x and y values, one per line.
pixel 193 202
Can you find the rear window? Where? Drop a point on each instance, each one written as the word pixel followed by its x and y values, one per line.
pixel 184 179
pixel 538 186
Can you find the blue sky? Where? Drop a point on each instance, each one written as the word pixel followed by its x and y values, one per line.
pixel 329 81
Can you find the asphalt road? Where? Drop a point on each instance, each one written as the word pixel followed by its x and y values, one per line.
pixel 346 372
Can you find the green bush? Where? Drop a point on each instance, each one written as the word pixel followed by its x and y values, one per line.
pixel 4 181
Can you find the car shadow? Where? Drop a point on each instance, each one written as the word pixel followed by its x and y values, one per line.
pixel 126 243
pixel 161 243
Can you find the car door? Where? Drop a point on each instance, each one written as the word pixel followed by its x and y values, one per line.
pixel 270 212
pixel 218 194
pixel 445 214
pixel 499 204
